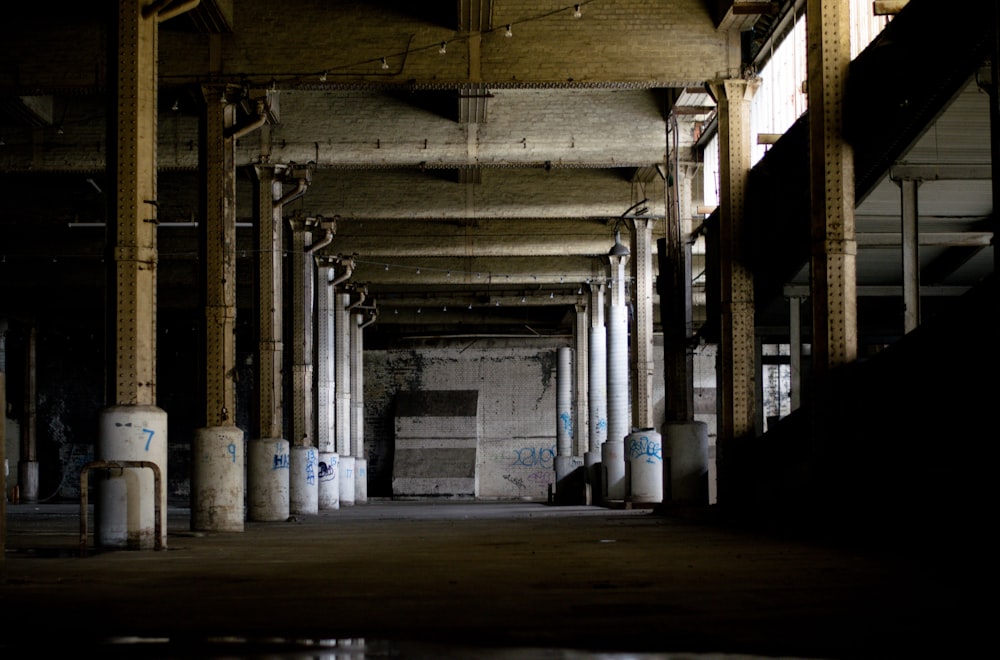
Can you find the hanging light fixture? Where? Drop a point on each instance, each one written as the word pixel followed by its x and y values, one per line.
pixel 508 32
pixel 576 11
pixel 444 48
pixel 385 65
pixel 618 250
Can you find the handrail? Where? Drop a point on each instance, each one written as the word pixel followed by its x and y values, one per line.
pixel 160 543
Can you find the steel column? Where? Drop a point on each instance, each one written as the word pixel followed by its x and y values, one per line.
pixel 736 347
pixel 641 231
pixel 269 246
pixel 303 275
pixel 133 241
pixel 581 345
pixel 834 246
pixel 218 245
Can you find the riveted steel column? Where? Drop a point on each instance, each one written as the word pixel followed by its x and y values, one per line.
pixel 127 502
pixel 303 274
pixel 358 408
pixel 736 346
pixel 674 288
pixel 269 246
pixel 325 383
pixel 218 245
pixel 581 342
pixel 342 372
pixel 834 247
pixel 133 241
pixel 641 231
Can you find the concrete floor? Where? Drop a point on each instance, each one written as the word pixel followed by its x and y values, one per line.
pixel 460 579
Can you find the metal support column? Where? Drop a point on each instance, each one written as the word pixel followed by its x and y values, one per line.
pixel 736 346
pixel 326 384
pixel 303 275
pixel 127 507
pixel 269 240
pixel 641 233
pixel 581 345
pixel 834 246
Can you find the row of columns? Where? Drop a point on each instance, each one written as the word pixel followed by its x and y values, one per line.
pixel 267 478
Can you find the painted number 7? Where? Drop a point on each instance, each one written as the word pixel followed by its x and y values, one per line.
pixel 149 437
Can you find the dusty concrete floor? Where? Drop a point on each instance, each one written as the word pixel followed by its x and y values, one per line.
pixel 464 579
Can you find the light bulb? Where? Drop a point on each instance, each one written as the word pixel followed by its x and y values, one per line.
pixel 444 47
pixel 322 77
pixel 576 11
pixel 508 33
pixel 385 65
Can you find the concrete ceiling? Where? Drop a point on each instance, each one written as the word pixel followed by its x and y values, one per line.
pixel 478 190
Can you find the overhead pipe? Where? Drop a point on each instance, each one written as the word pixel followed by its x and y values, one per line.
pixel 362 293
pixel 322 242
pixel 299 190
pixel 238 132
pixel 348 270
pixel 373 315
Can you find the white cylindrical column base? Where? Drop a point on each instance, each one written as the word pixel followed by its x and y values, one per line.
pixel 570 480
pixel 613 471
pixel 303 480
pixel 592 464
pixel 218 479
pixel 125 513
pixel 686 450
pixel 644 448
pixel 27 481
pixel 347 479
pixel 329 481
pixel 360 480
pixel 267 480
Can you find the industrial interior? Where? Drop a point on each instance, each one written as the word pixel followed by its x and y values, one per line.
pixel 497 329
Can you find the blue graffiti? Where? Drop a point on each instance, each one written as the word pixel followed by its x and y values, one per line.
pixel 231 450
pixel 534 456
pixel 602 424
pixel 149 437
pixel 327 471
pixel 310 465
pixel 567 421
pixel 644 447
pixel 281 462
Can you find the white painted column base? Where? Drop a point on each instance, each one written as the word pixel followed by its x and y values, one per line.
pixel 644 448
pixel 685 446
pixel 267 480
pixel 125 513
pixel 218 479
pixel 595 481
pixel 329 480
pixel 360 480
pixel 347 478
pixel 303 480
pixel 613 470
